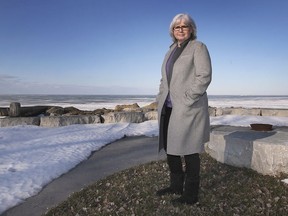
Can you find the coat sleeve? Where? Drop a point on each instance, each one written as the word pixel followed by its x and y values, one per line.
pixel 203 72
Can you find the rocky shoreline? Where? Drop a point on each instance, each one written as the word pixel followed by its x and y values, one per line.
pixel 55 116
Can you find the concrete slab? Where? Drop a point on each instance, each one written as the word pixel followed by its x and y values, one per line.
pixel 122 154
pixel 264 152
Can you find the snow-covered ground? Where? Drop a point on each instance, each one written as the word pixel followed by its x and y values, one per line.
pixel 32 156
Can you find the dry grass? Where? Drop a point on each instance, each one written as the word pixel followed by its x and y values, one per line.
pixel 225 190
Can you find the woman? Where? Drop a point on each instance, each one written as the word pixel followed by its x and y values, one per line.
pixel 183 108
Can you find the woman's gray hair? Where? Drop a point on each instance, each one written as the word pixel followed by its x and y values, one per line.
pixel 187 20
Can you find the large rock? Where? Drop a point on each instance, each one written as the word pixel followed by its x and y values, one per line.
pixel 58 121
pixel 13 121
pixel 55 111
pixel 127 108
pixel 133 117
pixel 100 111
pixel 71 111
pixel 15 109
pixel 265 152
pixel 151 107
pixel 31 111
pixel 152 115
pixel 4 111
pixel 212 111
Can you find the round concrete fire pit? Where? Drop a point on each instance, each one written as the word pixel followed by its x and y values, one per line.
pixel 261 127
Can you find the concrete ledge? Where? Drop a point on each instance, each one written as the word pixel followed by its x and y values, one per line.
pixel 264 152
pixel 14 121
pixel 218 111
pixel 50 121
pixel 58 121
pixel 132 117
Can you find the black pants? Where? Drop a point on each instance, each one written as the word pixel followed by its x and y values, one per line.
pixel 192 165
pixel 192 161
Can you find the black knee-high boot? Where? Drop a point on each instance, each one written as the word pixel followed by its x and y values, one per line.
pixel 192 181
pixel 176 176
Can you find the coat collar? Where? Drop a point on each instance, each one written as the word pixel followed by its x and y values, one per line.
pixel 185 42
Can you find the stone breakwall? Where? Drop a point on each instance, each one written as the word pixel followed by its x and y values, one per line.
pixel 58 121
pixel 213 111
pixel 124 113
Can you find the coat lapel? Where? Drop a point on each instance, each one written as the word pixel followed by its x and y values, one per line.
pixel 166 59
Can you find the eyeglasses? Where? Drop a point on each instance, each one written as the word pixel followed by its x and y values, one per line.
pixel 183 28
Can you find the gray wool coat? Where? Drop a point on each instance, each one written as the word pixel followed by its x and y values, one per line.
pixel 189 125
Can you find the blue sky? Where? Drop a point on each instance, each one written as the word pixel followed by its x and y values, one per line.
pixel 117 46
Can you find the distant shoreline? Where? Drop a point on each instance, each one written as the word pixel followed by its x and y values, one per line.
pixel 92 102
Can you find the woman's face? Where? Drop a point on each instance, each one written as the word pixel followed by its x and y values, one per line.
pixel 182 31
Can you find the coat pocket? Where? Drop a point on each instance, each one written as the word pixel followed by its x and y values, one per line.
pixel 193 101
